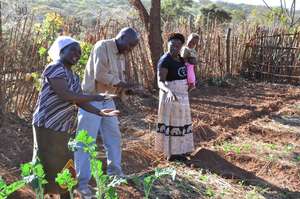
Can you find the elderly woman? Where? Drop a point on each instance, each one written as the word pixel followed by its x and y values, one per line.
pixel 174 130
pixel 56 110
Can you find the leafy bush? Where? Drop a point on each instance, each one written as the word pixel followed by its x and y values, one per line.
pixel 52 24
pixel 85 53
pixel 105 184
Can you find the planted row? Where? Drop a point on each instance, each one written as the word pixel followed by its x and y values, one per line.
pixel 33 174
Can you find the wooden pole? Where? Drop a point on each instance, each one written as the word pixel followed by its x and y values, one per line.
pixel 0 22
pixel 228 51
pixel 1 65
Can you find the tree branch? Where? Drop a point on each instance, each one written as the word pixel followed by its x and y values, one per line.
pixel 285 11
pixel 144 15
pixel 293 11
pixel 267 5
pixel 281 6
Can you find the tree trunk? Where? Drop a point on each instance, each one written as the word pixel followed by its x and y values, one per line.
pixel 154 35
pixel 152 23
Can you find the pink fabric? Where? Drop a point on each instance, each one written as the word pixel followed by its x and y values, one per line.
pixel 190 73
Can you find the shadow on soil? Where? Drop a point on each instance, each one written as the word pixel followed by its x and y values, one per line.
pixel 210 160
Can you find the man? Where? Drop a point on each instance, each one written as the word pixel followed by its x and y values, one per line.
pixel 104 72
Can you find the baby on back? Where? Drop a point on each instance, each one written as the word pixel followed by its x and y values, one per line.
pixel 189 54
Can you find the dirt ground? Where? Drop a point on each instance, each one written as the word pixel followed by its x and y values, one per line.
pixel 247 135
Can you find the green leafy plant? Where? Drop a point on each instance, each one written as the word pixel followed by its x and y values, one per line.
pixel 6 190
pixel 246 147
pixel 48 31
pixel 271 146
pixel 228 147
pixel 289 148
pixel 224 192
pixel 105 184
pixel 34 173
pixel 241 183
pixel 272 157
pixel 85 53
pixel 159 172
pixel 65 178
pixel 49 28
pixel 204 178
pixel 31 173
pixel 297 158
pixel 37 80
pixel 253 194
pixel 209 192
pixel 42 51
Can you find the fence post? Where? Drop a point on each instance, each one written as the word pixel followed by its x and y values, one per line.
pixel 228 51
pixel 0 22
pixel 1 94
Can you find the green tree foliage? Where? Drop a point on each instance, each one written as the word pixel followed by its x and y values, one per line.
pixel 49 29
pixel 89 10
pixel 213 13
pixel 273 17
pixel 85 53
pixel 238 15
pixel 254 17
pixel 172 9
pixel 276 16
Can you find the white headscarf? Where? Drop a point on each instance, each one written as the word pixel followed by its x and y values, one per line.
pixel 58 45
pixel 191 36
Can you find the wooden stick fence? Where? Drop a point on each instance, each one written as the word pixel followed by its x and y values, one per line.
pixel 267 55
pixel 273 55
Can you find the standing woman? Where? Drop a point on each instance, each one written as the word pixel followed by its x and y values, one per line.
pixel 174 130
pixel 54 118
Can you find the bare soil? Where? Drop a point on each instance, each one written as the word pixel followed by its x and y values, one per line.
pixel 253 112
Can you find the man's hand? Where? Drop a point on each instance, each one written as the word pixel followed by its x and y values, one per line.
pixel 129 89
pixel 124 85
pixel 109 112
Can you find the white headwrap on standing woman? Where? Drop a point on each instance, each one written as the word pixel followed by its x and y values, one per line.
pixel 58 45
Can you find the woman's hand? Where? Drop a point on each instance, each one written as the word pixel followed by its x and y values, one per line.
pixel 108 96
pixel 170 97
pixel 104 96
pixel 109 112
